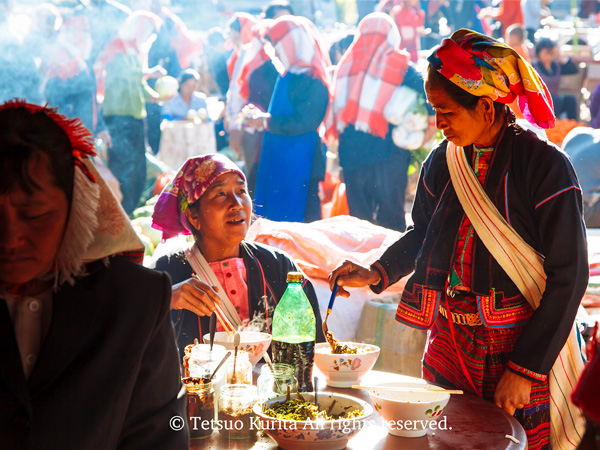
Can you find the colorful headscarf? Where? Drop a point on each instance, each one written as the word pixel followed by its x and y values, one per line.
pixel 182 40
pixel 367 76
pixel 66 56
pixel 254 57
pixel 485 67
pixel 298 45
pixel 127 42
pixel 246 22
pixel 97 226
pixel 194 177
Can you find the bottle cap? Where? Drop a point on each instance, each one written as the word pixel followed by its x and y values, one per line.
pixel 294 277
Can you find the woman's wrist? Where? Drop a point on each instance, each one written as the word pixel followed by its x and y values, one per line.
pixel 375 276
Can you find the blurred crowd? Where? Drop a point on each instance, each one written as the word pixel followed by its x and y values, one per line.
pixel 323 120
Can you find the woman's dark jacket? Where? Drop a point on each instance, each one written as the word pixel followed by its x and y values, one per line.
pixel 266 270
pixel 534 187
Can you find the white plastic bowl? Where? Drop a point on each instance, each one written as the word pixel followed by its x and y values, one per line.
pixel 253 342
pixel 409 414
pixel 312 434
pixel 345 370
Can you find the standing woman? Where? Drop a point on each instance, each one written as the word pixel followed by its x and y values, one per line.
pixel 240 28
pixel 364 94
pixel 257 78
pixel 121 70
pixel 292 161
pixel 495 345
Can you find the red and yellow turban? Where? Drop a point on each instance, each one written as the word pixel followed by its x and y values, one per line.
pixel 485 67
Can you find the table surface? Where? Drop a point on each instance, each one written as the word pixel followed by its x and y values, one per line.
pixel 472 423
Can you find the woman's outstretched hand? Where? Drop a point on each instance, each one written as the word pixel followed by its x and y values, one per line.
pixel 351 274
pixel 195 296
pixel 513 392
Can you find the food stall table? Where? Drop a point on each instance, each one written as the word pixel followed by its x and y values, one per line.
pixel 182 139
pixel 472 423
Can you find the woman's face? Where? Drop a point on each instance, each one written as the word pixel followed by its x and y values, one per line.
pixel 224 213
pixel 459 125
pixel 188 88
pixel 547 56
pixel 31 225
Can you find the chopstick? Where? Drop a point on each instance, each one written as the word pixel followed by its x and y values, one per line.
pixel 221 316
pixel 225 323
pixel 408 389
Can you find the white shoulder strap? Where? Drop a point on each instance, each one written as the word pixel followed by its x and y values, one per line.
pixel 519 260
pixel 202 269
pixel 525 268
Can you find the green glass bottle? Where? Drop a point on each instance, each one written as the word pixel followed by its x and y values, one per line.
pixel 294 331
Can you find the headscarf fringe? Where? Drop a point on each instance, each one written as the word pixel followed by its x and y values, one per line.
pixel 80 232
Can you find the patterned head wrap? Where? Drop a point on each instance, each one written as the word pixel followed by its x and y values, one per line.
pixel 244 23
pixel 368 75
pixel 97 226
pixel 485 67
pixel 192 180
pixel 254 57
pixel 298 45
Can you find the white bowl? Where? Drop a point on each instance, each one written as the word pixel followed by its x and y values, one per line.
pixel 345 370
pixel 312 434
pixel 409 414
pixel 253 342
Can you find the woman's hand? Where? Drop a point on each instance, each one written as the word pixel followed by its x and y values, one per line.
pixel 195 296
pixel 352 275
pixel 254 117
pixel 513 392
pixel 155 72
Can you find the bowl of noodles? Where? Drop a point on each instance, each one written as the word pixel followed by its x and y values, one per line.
pixel 296 423
pixel 345 363
pixel 252 342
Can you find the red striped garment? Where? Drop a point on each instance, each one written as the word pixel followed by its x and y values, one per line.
pixel 368 76
pixel 485 353
pixel 298 46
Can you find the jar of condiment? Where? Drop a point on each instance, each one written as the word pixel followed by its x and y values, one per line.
pixel 200 407
pixel 276 383
pixel 203 362
pixel 235 411
pixel 243 368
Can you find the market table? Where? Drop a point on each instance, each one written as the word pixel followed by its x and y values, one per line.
pixel 182 139
pixel 472 423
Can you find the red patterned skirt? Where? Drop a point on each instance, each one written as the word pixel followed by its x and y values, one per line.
pixel 485 353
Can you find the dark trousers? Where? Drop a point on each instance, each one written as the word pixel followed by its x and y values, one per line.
pixel 251 145
pixel 313 202
pixel 566 104
pixel 127 157
pixel 377 192
pixel 153 120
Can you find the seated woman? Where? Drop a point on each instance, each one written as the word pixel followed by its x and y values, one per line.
pixel 551 65
pixel 80 365
pixel 209 199
pixel 187 99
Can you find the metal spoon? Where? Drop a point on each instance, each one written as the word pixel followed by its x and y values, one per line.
pixel 219 365
pixel 212 328
pixel 316 383
pixel 267 359
pixel 236 345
